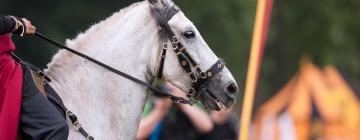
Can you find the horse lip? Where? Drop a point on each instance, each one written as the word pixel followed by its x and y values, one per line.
pixel 231 101
pixel 208 101
pixel 224 103
pixel 215 101
pixel 212 106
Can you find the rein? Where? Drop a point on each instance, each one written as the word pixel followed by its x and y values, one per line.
pixel 161 93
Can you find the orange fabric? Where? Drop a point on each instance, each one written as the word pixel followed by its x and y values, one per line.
pixel 273 106
pixel 300 110
pixel 337 105
pixel 344 97
pixel 280 100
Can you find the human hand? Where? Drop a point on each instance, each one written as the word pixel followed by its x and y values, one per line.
pixel 178 93
pixel 23 27
pixel 30 29
pixel 162 104
pixel 175 90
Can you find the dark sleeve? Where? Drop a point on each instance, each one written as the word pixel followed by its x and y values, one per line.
pixel 7 24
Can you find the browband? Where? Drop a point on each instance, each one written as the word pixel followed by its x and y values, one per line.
pixel 163 16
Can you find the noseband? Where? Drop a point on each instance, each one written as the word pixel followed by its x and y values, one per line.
pixel 185 60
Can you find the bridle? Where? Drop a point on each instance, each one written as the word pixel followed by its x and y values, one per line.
pixel 186 61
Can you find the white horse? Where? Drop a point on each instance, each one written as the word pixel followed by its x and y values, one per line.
pixel 109 106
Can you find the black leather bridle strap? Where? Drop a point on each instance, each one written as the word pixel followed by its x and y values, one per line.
pixel 162 17
pixel 183 60
pixel 215 69
pixel 162 61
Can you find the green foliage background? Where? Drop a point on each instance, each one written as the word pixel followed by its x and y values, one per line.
pixel 327 30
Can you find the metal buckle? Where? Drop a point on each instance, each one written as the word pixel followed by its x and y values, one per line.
pixel 176 101
pixel 193 80
pixel 174 40
pixel 219 65
pixel 77 125
pixel 175 47
pixel 183 63
pixel 209 74
pixel 69 113
pixel 203 75
pixel 165 45
pixel 191 92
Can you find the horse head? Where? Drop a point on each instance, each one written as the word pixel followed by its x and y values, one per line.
pixel 189 63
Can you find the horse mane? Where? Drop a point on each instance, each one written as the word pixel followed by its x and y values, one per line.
pixel 96 35
pixel 84 38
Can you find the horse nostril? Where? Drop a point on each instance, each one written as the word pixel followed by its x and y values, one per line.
pixel 231 88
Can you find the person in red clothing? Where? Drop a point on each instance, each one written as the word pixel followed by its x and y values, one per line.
pixel 22 107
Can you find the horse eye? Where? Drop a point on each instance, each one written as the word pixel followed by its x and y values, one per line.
pixel 189 34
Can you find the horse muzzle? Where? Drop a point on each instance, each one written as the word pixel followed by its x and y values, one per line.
pixel 217 94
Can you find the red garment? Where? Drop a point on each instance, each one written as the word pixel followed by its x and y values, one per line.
pixel 10 90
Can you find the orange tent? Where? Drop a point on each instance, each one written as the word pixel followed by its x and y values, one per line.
pixel 314 104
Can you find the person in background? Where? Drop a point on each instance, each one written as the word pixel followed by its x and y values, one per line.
pixel 226 126
pixel 168 121
pixel 22 106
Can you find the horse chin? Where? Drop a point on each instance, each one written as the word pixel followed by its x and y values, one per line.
pixel 214 97
pixel 212 102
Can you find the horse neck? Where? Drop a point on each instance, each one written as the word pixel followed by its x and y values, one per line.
pixel 126 41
